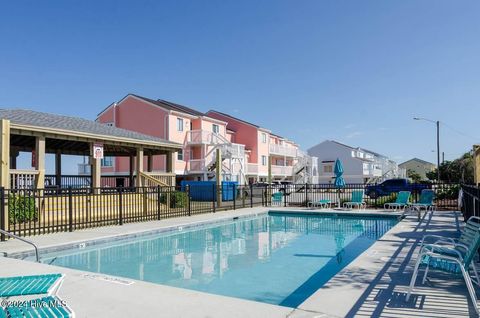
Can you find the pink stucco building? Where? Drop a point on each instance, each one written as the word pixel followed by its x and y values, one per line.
pixel 246 149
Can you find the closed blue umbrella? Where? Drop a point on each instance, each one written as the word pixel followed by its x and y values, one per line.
pixel 339 181
pixel 338 170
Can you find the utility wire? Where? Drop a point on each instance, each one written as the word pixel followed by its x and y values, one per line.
pixel 459 132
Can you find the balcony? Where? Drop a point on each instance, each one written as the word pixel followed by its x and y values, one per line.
pixel 282 170
pixel 205 137
pixel 252 168
pixel 281 150
pixel 235 150
pixel 196 166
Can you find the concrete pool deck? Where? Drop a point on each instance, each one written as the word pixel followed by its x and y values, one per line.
pixel 373 285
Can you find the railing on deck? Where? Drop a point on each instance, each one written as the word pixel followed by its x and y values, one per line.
pixel 157 179
pixel 27 212
pixel 23 179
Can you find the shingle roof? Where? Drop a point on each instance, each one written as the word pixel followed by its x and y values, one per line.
pixel 47 120
pixel 171 106
pixel 230 116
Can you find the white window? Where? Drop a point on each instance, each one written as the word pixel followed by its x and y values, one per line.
pixel 264 138
pixel 179 124
pixel 328 169
pixel 180 155
pixel 264 160
pixel 215 128
pixel 107 162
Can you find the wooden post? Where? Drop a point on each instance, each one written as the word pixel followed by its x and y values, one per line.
pixel 476 161
pixel 40 161
pixel 131 168
pixel 13 159
pixel 170 166
pixel 149 163
pixel 96 170
pixel 269 178
pixel 5 155
pixel 4 170
pixel 139 166
pixel 269 181
pixel 58 168
pixel 218 176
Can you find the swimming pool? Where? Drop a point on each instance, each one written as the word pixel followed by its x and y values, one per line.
pixel 277 258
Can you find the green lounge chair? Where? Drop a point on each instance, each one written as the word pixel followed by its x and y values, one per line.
pixel 425 202
pixel 30 285
pixel 46 307
pixel 325 203
pixel 357 200
pixel 456 260
pixel 277 198
pixel 400 203
pixel 50 306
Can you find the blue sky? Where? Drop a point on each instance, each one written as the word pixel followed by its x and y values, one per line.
pixel 354 71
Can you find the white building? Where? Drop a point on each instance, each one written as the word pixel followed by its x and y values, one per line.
pixel 360 165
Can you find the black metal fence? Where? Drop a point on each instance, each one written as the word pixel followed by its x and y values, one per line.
pixel 470 204
pixel 27 212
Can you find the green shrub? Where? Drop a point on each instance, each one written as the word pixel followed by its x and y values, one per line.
pixel 21 209
pixel 178 199
pixel 448 193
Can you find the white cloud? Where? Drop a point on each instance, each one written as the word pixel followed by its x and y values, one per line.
pixel 354 134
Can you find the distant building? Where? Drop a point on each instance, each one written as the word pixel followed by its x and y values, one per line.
pixel 419 166
pixel 360 165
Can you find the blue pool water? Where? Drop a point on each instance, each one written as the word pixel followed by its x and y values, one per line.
pixel 276 258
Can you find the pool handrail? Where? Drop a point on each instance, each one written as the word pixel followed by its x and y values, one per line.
pixel 37 256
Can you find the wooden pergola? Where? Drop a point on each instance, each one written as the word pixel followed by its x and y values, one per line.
pixel 41 133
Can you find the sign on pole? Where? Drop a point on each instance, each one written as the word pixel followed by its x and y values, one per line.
pixel 97 151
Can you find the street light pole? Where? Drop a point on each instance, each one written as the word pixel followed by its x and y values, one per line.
pixel 437 123
pixel 438 151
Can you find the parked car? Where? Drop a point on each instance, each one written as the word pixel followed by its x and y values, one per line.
pixel 390 186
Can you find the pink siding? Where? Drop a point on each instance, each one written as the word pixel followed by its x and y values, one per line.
pixel 245 134
pixel 263 150
pixel 139 116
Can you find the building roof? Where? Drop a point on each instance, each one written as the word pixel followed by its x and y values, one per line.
pixel 418 160
pixel 171 106
pixel 232 117
pixel 75 124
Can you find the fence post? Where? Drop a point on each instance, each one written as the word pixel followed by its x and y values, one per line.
pixel 376 197
pixel 234 195
pixel 214 195
pixel 120 208
pixel 159 204
pixel 70 209
pixel 187 187
pixel 251 195
pixel 2 213
pixel 285 196
pixel 306 195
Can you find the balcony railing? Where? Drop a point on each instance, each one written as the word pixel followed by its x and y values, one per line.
pixel 282 170
pixel 283 150
pixel 252 168
pixel 196 165
pixel 201 136
pixel 236 150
